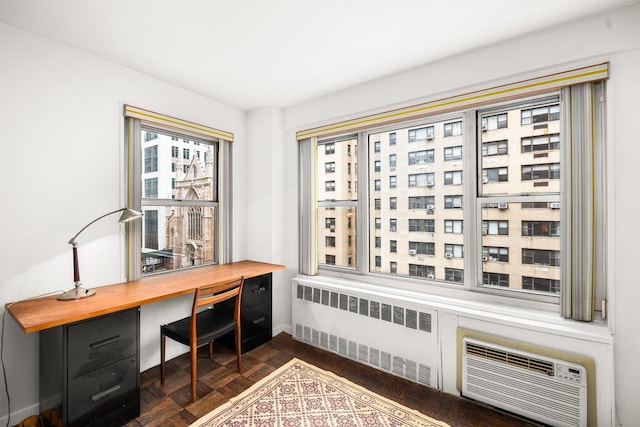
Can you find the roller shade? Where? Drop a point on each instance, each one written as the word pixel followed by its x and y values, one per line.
pixel 184 126
pixel 498 93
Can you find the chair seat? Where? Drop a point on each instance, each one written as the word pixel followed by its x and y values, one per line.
pixel 213 324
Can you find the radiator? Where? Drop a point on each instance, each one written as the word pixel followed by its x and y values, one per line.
pixel 388 334
pixel 539 387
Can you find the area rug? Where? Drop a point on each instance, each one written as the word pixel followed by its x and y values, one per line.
pixel 299 394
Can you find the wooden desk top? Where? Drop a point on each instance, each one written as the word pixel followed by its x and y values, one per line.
pixel 42 313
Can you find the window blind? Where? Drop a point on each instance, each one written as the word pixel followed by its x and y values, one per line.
pixel 183 126
pixel 507 91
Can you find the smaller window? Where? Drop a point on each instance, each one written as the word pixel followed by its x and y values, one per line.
pixel 330 241
pixel 330 167
pixel 378 242
pixel 453 153
pixel 453 178
pixel 392 138
pixel 376 185
pixel 393 267
pixel 329 148
pixel 330 259
pixel 376 146
pixel 453 128
pixel 453 202
pixel 393 181
pixel 393 246
pixel 377 205
pixel 393 203
pixel 376 166
pixel 329 186
pixel 185 153
pixel 495 227
pixel 495 148
pixel 393 224
pixel 453 226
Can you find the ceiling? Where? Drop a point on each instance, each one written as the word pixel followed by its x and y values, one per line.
pixel 255 53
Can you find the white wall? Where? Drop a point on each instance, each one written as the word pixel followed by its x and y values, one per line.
pixel 613 37
pixel 61 133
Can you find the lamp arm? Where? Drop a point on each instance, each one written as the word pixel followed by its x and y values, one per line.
pixel 72 241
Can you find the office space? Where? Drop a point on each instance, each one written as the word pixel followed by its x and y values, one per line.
pixel 57 137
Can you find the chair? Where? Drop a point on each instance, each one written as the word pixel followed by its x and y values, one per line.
pixel 204 326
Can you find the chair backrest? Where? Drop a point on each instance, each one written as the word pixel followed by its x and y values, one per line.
pixel 213 294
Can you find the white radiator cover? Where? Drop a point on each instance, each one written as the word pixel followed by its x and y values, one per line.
pixel 386 333
pixel 539 387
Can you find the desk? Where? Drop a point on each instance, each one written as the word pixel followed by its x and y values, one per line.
pixel 89 348
pixel 42 313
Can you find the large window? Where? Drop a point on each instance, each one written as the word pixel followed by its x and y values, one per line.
pixel 476 198
pixel 175 180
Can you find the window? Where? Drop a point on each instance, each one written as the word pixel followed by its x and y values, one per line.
pixel 540 114
pixel 507 160
pixel 421 134
pixel 330 259
pixel 496 121
pixel 453 178
pixel 495 148
pixel 174 181
pixel 330 167
pixel 329 149
pixel 330 241
pixel 453 153
pixel 330 186
pixel 420 157
pixel 453 129
pixel 422 225
pixel 540 143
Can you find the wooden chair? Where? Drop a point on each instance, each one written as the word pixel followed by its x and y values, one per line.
pixel 204 326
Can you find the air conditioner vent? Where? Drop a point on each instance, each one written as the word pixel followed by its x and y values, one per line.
pixel 509 358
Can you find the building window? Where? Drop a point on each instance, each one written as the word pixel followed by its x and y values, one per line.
pixel 151 228
pixel 493 253
pixel 376 147
pixel 453 251
pixel 422 225
pixel 452 202
pixel 393 267
pixel 393 203
pixel 544 171
pixel 330 241
pixel 330 167
pixel 377 204
pixel 495 148
pixel 151 187
pixel 495 279
pixel 422 248
pixel 393 224
pixel 376 185
pixel 376 166
pixel 422 179
pixel 551 286
pixel 540 143
pixel 378 223
pixel 330 186
pixel 453 128
pixel 454 275
pixel 392 138
pixel 495 227
pixel 541 257
pixel 329 149
pixel 453 153
pixel 453 178
pixel 422 202
pixel 541 228
pixel 421 134
pixel 393 181
pixel 540 114
pixel 392 162
pixel 378 242
pixel 185 153
pixel 425 271
pixel 420 157
pixel 495 175
pixel 453 226
pixel 393 246
pixel 330 259
pixel 151 158
pixel 496 121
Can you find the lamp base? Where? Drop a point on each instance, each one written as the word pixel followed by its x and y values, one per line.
pixel 76 293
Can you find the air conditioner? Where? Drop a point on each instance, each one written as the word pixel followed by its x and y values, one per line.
pixel 429 137
pixel 431 207
pixel 537 386
pixel 484 128
pixel 431 276
pixel 554 205
pixel 412 251
pixel 485 231
pixel 429 183
pixel 332 228
pixel 485 258
pixel 448 255
pixel 392 229
pixel 503 205
pixel 485 180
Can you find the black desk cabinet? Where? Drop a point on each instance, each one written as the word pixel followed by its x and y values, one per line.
pixel 92 370
pixel 255 314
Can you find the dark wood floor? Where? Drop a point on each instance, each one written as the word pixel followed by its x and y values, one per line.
pixel 218 381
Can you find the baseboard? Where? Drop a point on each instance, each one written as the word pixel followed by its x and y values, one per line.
pixel 20 415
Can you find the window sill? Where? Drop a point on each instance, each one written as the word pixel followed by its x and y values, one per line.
pixel 523 314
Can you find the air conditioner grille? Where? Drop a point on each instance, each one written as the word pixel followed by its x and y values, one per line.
pixel 537 365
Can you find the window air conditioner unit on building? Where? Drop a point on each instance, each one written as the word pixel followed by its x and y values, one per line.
pixel 485 258
pixel 554 205
pixel 485 231
pixel 332 228
pixel 537 386
pixel 429 183
pixel 431 207
pixel 484 128
pixel 431 276
pixel 485 180
pixel 448 255
pixel 429 137
pixel 503 205
pixel 412 251
pixel 392 229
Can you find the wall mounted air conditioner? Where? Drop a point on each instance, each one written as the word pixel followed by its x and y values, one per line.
pixel 431 276
pixel 484 128
pixel 392 229
pixel 448 255
pixel 536 386
pixel 503 205
pixel 429 137
pixel 429 183
pixel 332 228
pixel 431 207
pixel 554 205
pixel 412 251
pixel 485 258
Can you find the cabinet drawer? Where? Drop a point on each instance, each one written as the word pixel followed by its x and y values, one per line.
pixel 101 392
pixel 256 320
pixel 100 342
pixel 256 290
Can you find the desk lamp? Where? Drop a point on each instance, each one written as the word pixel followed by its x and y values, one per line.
pixel 78 291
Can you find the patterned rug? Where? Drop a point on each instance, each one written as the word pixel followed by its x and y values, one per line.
pixel 299 394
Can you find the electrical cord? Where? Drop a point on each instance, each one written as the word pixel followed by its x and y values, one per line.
pixel 2 346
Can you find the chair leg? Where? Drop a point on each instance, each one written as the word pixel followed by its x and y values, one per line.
pixel 163 343
pixel 194 369
pixel 238 349
pixel 211 350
